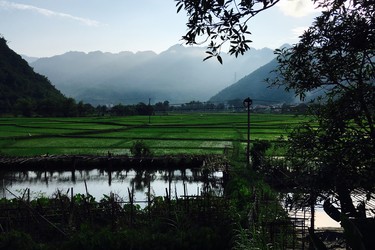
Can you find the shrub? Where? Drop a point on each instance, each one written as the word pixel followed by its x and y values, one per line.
pixel 140 149
pixel 17 240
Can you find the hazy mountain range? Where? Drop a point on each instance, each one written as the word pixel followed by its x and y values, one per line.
pixel 177 74
pixel 255 87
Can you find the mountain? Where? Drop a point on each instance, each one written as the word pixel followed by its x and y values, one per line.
pixel 29 59
pixel 19 85
pixel 255 87
pixel 177 74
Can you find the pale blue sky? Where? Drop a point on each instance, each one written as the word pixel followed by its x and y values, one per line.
pixel 44 28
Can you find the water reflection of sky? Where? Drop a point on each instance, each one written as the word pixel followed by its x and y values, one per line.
pixel 178 182
pixel 188 182
pixel 322 220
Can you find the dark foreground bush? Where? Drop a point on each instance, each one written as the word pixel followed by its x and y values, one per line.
pixel 200 238
pixel 17 241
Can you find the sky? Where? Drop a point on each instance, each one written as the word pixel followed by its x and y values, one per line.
pixel 44 28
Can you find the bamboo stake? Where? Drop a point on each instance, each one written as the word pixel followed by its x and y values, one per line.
pixel 149 198
pixel 131 205
pixel 38 214
pixel 4 193
pixel 87 191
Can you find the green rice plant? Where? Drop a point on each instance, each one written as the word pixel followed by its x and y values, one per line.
pixel 193 133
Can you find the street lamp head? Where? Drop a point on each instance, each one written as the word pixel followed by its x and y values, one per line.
pixel 247 102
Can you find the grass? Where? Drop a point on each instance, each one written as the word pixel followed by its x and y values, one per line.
pixel 193 133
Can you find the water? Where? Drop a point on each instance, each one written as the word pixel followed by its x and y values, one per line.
pixel 321 218
pixel 99 182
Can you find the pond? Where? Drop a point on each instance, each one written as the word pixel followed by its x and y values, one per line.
pixel 97 183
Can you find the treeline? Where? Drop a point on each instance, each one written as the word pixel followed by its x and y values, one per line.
pixel 146 109
pixel 158 108
pixel 68 107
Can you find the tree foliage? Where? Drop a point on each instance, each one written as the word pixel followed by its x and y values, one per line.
pixel 336 58
pixel 217 22
pixel 140 149
pixel 221 21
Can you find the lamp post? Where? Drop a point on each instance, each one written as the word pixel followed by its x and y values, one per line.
pixel 247 103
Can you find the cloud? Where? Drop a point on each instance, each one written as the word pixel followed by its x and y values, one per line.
pixel 297 8
pixel 48 13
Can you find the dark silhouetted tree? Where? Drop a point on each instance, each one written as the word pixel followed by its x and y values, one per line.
pixel 140 149
pixel 121 110
pixel 220 21
pixel 24 107
pixel 161 106
pixel 69 108
pixel 335 57
pixel 143 109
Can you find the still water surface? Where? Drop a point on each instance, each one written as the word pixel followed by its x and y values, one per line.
pixel 99 182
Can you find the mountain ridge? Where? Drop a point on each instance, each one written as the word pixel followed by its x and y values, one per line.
pixel 254 85
pixel 22 90
pixel 177 74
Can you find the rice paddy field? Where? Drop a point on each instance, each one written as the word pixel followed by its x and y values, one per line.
pixel 192 133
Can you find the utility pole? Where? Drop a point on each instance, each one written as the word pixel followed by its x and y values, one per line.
pixel 247 103
pixel 149 110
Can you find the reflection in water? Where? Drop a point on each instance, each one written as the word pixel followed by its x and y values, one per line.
pixel 99 182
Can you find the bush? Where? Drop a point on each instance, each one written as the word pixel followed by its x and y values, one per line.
pixel 140 149
pixel 17 240
pixel 258 152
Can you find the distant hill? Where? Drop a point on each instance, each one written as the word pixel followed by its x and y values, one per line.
pixel 177 74
pixel 255 87
pixel 20 87
pixel 29 59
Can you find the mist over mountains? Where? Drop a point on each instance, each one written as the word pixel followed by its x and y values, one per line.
pixel 178 74
pixel 254 85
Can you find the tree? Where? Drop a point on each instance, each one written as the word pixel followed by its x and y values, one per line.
pixel 221 21
pixel 143 109
pixel 50 107
pixel 121 110
pixel 216 22
pixel 84 109
pixel 24 106
pixel 69 107
pixel 101 109
pixel 140 149
pixel 162 106
pixel 335 57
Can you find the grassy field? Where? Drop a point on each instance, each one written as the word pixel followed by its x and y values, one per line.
pixel 195 133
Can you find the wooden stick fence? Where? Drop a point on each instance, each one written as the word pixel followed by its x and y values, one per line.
pixel 66 212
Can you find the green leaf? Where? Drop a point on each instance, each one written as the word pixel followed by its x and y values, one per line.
pixel 220 59
pixel 208 57
pixel 179 8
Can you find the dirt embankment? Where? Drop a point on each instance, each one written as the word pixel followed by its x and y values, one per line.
pixel 110 162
